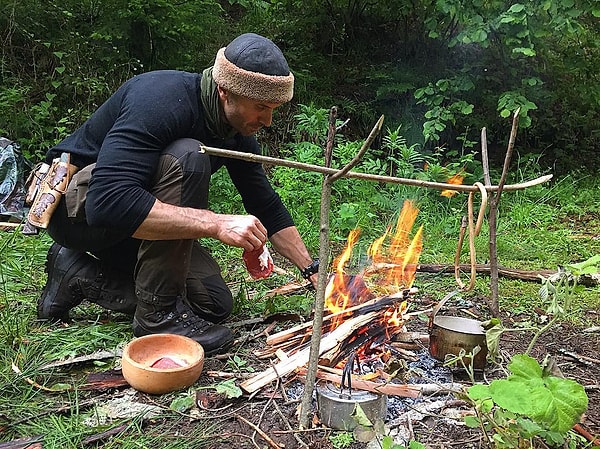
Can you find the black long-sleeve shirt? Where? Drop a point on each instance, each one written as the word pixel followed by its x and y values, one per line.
pixel 126 136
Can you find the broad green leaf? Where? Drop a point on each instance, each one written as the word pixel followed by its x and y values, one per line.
pixel 481 395
pixel 569 402
pixel 182 403
pixel 517 7
pixel 359 416
pixel 229 389
pixel 515 396
pixel 524 366
pixel 387 442
pixel 590 266
pixel 528 427
pixel 479 392
pixel 471 421
pixel 554 401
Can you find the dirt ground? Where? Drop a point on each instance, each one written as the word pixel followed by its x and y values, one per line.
pixel 268 418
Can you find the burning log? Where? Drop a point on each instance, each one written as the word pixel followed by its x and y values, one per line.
pixel 336 344
pixel 300 358
pixel 296 338
pixel 302 330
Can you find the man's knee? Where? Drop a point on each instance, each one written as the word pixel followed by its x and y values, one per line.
pixel 183 175
pixel 210 298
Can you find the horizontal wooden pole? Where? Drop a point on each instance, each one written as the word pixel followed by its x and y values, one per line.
pixel 251 157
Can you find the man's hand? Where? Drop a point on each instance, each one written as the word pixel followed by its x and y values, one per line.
pixel 244 231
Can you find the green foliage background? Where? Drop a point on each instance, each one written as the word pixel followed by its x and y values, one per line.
pixel 442 69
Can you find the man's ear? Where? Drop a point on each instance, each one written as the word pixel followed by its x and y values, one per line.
pixel 223 94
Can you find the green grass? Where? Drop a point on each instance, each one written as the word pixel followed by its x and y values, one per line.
pixel 541 228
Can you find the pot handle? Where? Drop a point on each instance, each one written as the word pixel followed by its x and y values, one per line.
pixel 439 305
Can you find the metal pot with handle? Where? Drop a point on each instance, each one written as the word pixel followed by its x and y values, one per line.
pixel 450 335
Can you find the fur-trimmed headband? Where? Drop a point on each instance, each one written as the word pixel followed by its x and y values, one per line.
pixel 254 67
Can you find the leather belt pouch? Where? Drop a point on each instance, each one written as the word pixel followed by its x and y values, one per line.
pixel 76 194
pixel 52 185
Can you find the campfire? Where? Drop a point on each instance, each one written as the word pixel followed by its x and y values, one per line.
pixel 366 313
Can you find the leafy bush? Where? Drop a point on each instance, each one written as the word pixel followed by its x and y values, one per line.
pixel 531 403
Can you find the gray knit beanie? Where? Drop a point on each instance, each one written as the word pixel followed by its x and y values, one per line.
pixel 254 67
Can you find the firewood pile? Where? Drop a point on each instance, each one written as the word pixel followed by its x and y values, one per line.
pixel 365 324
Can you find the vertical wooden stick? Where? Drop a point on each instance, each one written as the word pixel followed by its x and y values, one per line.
pixel 494 203
pixel 311 374
pixel 328 180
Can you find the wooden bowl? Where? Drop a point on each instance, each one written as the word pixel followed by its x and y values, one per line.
pixel 162 363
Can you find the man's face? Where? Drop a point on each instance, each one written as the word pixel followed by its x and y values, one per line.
pixel 245 115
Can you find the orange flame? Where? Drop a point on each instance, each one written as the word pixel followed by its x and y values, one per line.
pixel 337 293
pixel 456 180
pixel 394 258
pixel 399 259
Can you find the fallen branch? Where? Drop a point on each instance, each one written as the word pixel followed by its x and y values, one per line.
pixel 391 389
pixel 588 280
pixel 24 443
pixel 580 358
pixel 266 437
pixel 96 438
pixel 587 435
pixel 510 273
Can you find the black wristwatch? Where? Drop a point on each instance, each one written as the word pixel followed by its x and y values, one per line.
pixel 311 269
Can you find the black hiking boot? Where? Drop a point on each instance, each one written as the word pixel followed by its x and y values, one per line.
pixel 61 293
pixel 165 316
pixel 74 276
pixel 114 290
